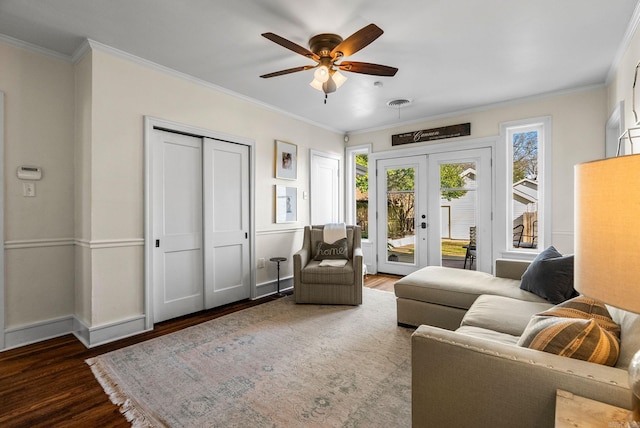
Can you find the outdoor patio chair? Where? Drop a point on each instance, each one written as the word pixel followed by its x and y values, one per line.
pixel 471 248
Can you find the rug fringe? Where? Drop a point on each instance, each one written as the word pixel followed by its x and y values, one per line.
pixel 137 418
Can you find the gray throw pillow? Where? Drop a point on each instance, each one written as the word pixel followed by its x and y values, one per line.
pixel 550 276
pixel 337 250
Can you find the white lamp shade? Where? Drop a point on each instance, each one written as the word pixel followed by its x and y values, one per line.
pixel 607 228
pixel 315 84
pixel 338 78
pixel 321 74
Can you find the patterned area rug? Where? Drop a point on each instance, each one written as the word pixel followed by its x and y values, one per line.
pixel 274 365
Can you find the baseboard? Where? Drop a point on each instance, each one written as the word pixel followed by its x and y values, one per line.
pixel 271 287
pixel 89 336
pixel 37 332
pixel 96 336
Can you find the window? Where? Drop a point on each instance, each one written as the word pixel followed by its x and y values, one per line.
pixel 527 144
pixel 357 176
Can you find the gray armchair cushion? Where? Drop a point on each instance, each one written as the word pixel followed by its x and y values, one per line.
pixel 313 273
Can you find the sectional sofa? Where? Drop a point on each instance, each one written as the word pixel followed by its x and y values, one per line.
pixel 468 369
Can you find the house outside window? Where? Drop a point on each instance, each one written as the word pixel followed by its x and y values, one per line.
pixel 527 146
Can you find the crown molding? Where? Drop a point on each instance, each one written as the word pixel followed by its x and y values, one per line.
pixel 34 48
pixel 484 107
pixel 92 44
pixel 626 42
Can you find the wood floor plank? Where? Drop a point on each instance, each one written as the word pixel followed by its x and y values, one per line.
pixel 48 384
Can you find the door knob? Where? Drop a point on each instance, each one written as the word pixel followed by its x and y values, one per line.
pixel 423 225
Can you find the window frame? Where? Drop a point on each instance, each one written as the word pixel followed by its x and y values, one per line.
pixel 507 130
pixel 350 180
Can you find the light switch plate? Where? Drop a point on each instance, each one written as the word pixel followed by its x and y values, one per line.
pixel 29 190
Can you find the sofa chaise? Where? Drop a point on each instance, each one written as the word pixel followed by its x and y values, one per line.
pixel 468 369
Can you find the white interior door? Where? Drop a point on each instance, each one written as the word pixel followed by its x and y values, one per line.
pixel 226 212
pixel 325 188
pixel 402 214
pixel 177 225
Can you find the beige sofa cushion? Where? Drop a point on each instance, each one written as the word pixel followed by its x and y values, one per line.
pixel 457 288
pixel 484 333
pixel 502 314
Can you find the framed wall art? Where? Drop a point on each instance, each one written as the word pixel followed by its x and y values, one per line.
pixel 286 160
pixel 286 204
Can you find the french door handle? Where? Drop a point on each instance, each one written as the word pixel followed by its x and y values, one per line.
pixel 423 225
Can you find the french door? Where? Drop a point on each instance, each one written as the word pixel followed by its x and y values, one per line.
pixel 459 201
pixel 435 210
pixel 402 214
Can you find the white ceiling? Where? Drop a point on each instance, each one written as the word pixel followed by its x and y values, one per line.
pixel 451 55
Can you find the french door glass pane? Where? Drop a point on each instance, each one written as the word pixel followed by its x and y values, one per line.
pixel 400 215
pixel 458 206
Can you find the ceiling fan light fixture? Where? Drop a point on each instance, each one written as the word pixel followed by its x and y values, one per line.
pixel 321 74
pixel 329 86
pixel 338 78
pixel 315 84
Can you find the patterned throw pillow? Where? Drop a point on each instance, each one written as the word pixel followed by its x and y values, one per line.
pixel 583 307
pixel 337 250
pixel 581 339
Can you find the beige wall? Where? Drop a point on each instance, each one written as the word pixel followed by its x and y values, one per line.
pixel 578 124
pixel 621 86
pixel 82 201
pixel 123 92
pixel 39 106
pixel 75 249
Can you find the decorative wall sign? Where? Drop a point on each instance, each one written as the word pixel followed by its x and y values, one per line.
pixel 286 204
pixel 286 160
pixel 432 134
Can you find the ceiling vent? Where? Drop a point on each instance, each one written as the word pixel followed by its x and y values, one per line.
pixel 399 103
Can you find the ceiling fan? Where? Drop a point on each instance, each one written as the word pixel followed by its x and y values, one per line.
pixel 328 50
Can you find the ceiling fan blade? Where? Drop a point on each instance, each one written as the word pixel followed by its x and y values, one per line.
pixel 358 40
pixel 367 68
pixel 288 71
pixel 291 46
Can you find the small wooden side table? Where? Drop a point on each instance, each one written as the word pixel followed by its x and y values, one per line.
pixel 578 412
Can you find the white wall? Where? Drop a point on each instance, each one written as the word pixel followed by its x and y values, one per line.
pixel 578 122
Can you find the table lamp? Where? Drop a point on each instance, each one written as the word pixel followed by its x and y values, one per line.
pixel 607 222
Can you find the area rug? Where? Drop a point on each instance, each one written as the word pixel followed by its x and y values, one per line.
pixel 273 365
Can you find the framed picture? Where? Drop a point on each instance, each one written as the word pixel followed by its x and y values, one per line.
pixel 286 160
pixel 286 204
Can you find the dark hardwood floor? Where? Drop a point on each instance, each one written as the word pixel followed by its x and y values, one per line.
pixel 48 384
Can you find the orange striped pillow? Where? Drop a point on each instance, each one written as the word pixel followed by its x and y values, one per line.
pixel 577 338
pixel 585 308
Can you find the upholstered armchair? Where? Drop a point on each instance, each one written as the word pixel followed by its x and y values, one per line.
pixel 313 283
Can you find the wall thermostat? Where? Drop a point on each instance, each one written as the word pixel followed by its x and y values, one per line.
pixel 29 173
